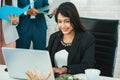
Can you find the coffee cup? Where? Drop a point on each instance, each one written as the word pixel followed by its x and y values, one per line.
pixel 92 74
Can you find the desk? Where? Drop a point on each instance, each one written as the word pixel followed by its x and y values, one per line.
pixel 4 75
pixel 82 77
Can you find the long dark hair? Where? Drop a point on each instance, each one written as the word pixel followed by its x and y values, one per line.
pixel 68 9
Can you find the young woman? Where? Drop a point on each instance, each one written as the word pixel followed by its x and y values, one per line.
pixel 72 48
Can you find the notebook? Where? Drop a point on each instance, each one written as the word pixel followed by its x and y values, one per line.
pixel 18 61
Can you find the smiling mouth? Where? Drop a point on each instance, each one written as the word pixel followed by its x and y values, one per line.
pixel 64 30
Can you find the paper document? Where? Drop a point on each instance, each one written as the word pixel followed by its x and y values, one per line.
pixel 55 4
pixel 52 6
pixel 9 32
pixel 7 10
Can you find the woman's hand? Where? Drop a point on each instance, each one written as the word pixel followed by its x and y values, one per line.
pixel 62 70
pixel 37 76
pixel 14 19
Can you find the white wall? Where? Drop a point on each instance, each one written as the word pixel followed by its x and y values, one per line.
pixel 109 9
pixel 102 9
pixel 117 61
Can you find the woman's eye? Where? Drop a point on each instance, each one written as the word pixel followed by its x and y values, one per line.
pixel 67 21
pixel 59 21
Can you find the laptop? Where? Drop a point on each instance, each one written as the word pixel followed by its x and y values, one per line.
pixel 18 61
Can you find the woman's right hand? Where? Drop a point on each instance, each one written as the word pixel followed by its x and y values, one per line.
pixel 61 70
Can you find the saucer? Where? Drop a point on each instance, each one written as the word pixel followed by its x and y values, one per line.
pixel 83 77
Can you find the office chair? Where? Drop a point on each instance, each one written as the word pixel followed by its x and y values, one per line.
pixel 106 34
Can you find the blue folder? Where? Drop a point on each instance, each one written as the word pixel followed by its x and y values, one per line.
pixel 7 10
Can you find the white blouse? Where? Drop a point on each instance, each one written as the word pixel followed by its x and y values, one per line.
pixel 61 58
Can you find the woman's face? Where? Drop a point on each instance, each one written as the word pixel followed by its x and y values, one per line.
pixel 64 24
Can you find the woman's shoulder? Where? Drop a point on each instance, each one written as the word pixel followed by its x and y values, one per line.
pixel 57 33
pixel 86 38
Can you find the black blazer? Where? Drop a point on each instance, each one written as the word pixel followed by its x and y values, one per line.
pixel 81 54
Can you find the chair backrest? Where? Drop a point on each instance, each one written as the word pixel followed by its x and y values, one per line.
pixel 106 34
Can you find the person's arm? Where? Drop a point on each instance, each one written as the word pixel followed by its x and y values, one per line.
pixel 87 62
pixel 45 3
pixel 86 55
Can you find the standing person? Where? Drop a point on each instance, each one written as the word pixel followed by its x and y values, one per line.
pixel 8 32
pixel 32 25
pixel 72 48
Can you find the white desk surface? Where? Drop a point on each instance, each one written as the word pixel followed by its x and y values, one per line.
pixel 4 75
